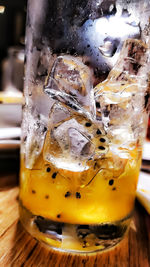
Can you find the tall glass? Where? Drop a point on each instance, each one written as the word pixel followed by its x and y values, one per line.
pixel 84 121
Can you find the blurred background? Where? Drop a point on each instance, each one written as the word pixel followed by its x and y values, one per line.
pixel 12 35
pixel 12 31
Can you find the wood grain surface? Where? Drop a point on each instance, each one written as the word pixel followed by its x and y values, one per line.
pixel 18 248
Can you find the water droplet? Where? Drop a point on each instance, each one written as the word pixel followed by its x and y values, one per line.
pixel 109 48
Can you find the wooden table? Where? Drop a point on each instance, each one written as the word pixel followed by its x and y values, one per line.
pixel 18 248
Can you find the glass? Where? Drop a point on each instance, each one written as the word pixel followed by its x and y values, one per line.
pixel 84 122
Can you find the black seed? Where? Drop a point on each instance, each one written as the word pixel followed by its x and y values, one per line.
pixel 88 124
pixel 102 140
pixel 54 175
pixel 106 113
pixel 38 123
pixel 98 131
pixel 101 147
pixel 95 165
pixel 58 216
pixel 83 234
pixel 45 129
pixel 78 195
pixel 25 138
pixel 98 105
pixel 48 169
pixel 66 147
pixel 111 182
pixel 147 96
pixel 47 196
pixel 33 192
pixel 68 194
pixel 83 227
pixel 84 242
pixel 25 60
pixel 114 188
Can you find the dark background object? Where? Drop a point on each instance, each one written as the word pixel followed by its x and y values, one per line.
pixel 9 161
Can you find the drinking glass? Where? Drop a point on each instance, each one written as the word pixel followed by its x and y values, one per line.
pixel 86 92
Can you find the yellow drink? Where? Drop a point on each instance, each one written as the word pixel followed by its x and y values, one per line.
pixel 59 196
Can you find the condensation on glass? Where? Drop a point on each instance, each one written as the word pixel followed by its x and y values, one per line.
pixel 84 121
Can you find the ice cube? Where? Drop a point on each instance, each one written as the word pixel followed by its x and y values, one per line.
pixel 123 140
pixel 133 57
pixel 109 167
pixel 129 72
pixel 74 79
pixel 79 144
pixel 113 166
pixel 72 139
pixel 120 108
pixel 72 76
pixel 67 100
pixel 122 93
pixel 59 113
pixel 64 146
pixel 118 114
pixel 69 137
